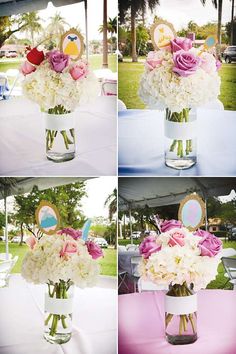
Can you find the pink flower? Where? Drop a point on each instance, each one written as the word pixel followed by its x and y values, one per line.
pixel 185 63
pixel 170 224
pixel 58 60
pixel 31 242
pixel 71 232
pixel 27 68
pixel 180 43
pixel 149 246
pixel 69 247
pixel 209 245
pixel 79 71
pixel 176 238
pixel 94 250
pixel 218 64
pixel 152 60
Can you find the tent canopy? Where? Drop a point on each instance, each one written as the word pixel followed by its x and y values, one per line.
pixel 14 7
pixel 139 192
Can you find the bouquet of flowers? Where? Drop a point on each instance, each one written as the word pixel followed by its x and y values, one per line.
pixel 58 85
pixel 179 78
pixel 60 261
pixel 184 260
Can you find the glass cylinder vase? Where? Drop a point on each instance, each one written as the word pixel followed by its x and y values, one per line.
pixel 181 315
pixel 60 136
pixel 180 138
pixel 58 312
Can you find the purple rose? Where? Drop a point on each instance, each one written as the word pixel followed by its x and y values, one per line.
pixel 94 250
pixel 170 224
pixel 58 60
pixel 149 246
pixel 180 43
pixel 209 245
pixel 185 63
pixel 71 232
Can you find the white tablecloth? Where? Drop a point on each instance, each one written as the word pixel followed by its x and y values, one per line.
pixel 22 143
pixel 21 321
pixel 141 144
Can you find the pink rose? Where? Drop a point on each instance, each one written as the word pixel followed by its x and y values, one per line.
pixel 170 224
pixel 58 60
pixel 31 242
pixel 185 63
pixel 69 247
pixel 152 60
pixel 209 245
pixel 180 43
pixel 27 68
pixel 71 232
pixel 149 246
pixel 176 238
pixel 94 250
pixel 79 70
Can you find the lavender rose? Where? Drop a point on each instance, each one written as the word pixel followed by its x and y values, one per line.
pixel 149 246
pixel 71 232
pixel 209 245
pixel 58 60
pixel 185 63
pixel 180 43
pixel 170 224
pixel 94 250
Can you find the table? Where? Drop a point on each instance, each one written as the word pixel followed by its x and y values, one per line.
pixel 124 260
pixel 21 321
pixel 141 324
pixel 141 144
pixel 22 143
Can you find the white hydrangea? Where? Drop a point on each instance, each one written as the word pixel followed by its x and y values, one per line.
pixel 43 263
pixel 162 88
pixel 49 88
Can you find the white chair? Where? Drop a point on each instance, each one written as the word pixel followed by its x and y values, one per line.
pixel 135 274
pixel 16 76
pixel 122 248
pixel 131 248
pixel 230 268
pixel 109 88
pixel 5 270
pixel 121 106
pixel 3 256
pixel 228 252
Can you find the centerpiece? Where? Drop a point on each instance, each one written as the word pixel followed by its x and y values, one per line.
pixel 185 262
pixel 61 261
pixel 58 84
pixel 179 78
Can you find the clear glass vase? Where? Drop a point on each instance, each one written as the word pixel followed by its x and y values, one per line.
pixel 180 315
pixel 181 138
pixel 58 312
pixel 60 137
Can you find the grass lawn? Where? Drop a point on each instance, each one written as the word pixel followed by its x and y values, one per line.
pixel 129 78
pixel 108 263
pixel 220 280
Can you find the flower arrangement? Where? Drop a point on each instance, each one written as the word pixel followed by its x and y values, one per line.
pixel 60 261
pixel 181 259
pixel 179 78
pixel 58 85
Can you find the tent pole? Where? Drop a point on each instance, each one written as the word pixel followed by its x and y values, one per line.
pixel 86 28
pixel 6 228
pixel 130 226
pixel 206 223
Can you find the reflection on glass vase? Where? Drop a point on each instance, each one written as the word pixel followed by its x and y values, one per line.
pixel 181 315
pixel 58 312
pixel 60 136
pixel 180 138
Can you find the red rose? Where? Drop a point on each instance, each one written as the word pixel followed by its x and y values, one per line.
pixel 35 56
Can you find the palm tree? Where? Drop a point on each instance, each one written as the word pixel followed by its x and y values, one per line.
pixel 56 27
pixel 33 24
pixel 111 28
pixel 135 6
pixel 111 203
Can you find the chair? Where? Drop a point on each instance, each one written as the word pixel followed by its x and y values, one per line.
pixel 3 256
pixel 135 274
pixel 109 87
pixel 121 106
pixel 230 268
pixel 5 270
pixel 122 275
pixel 131 248
pixel 228 252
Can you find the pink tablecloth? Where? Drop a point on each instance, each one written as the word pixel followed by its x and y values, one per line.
pixel 141 324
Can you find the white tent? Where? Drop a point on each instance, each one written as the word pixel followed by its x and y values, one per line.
pixel 10 186
pixel 14 7
pixel 140 192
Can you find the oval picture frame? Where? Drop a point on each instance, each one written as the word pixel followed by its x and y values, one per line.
pixel 72 44
pixel 47 217
pixel 192 212
pixel 167 31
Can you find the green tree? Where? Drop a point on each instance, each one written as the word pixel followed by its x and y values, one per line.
pixel 33 25
pixel 111 234
pixel 111 203
pixel 111 27
pixel 56 28
pixel 2 222
pixel 135 7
